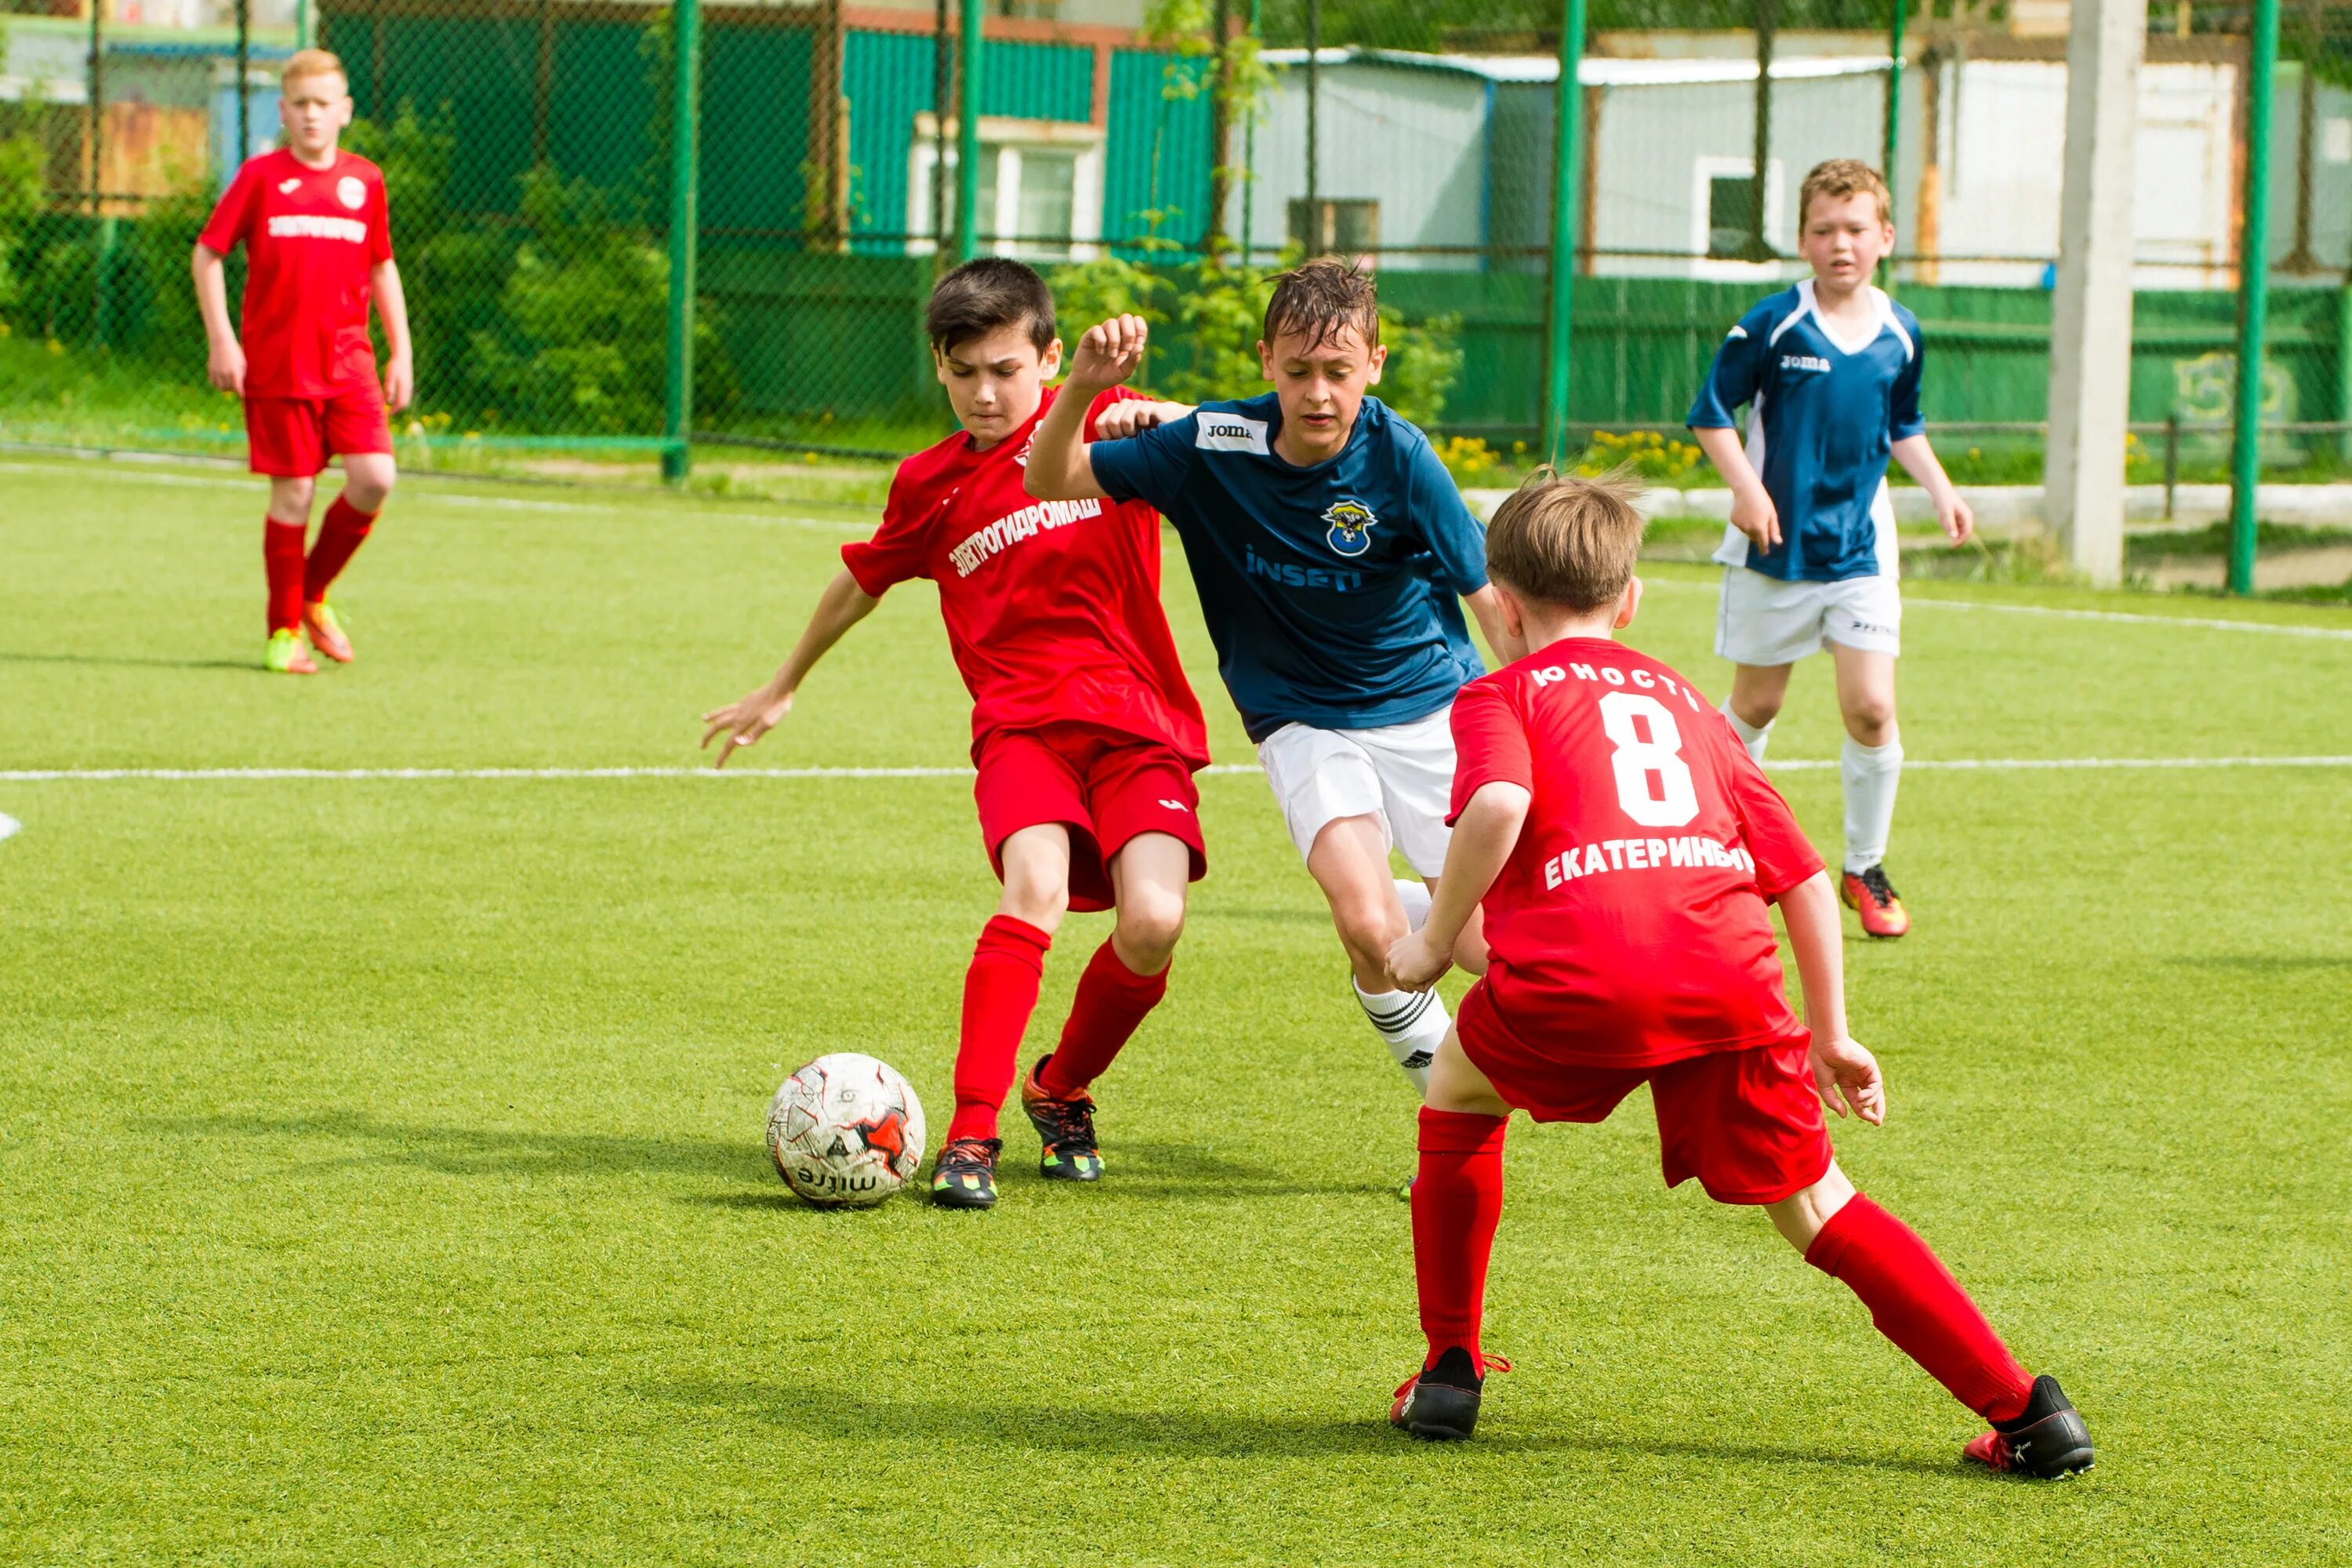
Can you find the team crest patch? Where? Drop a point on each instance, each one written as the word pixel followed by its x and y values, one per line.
pixel 1351 526
pixel 350 192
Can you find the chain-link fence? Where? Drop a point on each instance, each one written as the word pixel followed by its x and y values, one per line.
pixel 1165 155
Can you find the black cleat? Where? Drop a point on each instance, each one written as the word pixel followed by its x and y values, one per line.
pixel 1065 1128
pixel 2047 1441
pixel 964 1175
pixel 1441 1403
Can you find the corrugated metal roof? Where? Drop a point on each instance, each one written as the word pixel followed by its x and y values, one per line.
pixel 1594 70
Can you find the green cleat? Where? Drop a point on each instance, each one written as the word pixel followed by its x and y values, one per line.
pixel 287 656
pixel 964 1175
pixel 1065 1127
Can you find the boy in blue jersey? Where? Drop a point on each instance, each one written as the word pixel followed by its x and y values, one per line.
pixel 1829 372
pixel 1333 555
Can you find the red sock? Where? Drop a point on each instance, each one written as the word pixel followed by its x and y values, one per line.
pixel 341 533
pixel 282 555
pixel 1914 1301
pixel 1111 1001
pixel 1000 992
pixel 1457 1200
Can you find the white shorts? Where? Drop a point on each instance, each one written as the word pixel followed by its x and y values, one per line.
pixel 1401 773
pixel 1765 621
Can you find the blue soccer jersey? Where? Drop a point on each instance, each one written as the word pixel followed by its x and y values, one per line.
pixel 1822 415
pixel 1331 592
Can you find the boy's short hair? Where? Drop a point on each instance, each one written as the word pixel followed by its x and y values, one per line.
pixel 1840 178
pixel 980 296
pixel 1318 298
pixel 303 63
pixel 1566 540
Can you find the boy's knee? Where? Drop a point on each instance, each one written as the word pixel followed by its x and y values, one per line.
pixel 1755 710
pixel 1368 928
pixel 367 488
pixel 1149 923
pixel 1037 904
pixel 1871 719
pixel 289 500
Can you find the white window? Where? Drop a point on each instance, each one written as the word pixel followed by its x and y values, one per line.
pixel 1723 199
pixel 1040 188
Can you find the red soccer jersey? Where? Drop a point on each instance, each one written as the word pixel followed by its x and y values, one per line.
pixel 1052 606
pixel 1628 928
pixel 310 237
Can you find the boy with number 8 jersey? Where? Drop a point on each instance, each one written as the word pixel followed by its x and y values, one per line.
pixel 1626 846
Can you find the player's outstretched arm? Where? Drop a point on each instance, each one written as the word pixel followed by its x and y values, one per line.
pixel 1919 461
pixel 1483 837
pixel 1845 1073
pixel 1058 467
pixel 842 606
pixel 225 356
pixel 392 310
pixel 1752 512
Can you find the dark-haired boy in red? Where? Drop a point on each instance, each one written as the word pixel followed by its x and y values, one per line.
pixel 1085 730
pixel 1624 846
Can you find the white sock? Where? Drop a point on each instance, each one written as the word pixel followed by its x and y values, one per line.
pixel 1752 736
pixel 1411 1023
pixel 1870 774
pixel 1414 897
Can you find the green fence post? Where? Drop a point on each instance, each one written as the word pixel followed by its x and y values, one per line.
pixel 244 90
pixel 1894 140
pixel 301 23
pixel 1568 124
pixel 2253 297
pixel 685 120
pixel 968 134
pixel 2344 366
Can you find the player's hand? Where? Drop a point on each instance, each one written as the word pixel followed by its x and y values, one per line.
pixel 743 723
pixel 1952 514
pixel 1416 963
pixel 1847 1074
pixel 225 366
pixel 1133 416
pixel 1753 514
pixel 1108 353
pixel 399 383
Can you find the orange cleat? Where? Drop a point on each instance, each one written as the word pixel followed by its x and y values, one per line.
pixel 326 633
pixel 1870 895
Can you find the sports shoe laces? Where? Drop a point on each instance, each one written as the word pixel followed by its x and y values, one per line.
pixel 961 1152
pixel 1074 1124
pixel 1880 888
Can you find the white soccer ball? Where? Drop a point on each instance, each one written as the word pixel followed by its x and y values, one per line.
pixel 845 1132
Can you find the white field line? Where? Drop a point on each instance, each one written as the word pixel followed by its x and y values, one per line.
pixel 497 503
pixel 1793 764
pixel 2055 612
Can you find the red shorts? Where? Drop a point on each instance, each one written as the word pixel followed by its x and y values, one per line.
pixel 292 437
pixel 1748 1123
pixel 1105 786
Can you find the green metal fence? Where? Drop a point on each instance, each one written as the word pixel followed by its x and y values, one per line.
pixel 1170 157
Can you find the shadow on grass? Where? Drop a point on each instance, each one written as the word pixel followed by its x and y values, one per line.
pixel 2265 963
pixel 1149 1171
pixel 474 1151
pixel 953 1421
pixel 253 665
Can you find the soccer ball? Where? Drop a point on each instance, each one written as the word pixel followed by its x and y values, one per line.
pixel 845 1132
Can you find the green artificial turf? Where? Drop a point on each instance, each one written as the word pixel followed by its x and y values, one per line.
pixel 381 1161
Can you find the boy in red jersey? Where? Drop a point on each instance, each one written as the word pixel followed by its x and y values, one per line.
pixel 1624 846
pixel 1085 730
pixel 318 246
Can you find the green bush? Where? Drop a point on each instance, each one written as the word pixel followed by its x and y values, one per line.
pixel 1205 316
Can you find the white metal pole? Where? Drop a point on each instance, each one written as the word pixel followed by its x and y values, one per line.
pixel 2090 324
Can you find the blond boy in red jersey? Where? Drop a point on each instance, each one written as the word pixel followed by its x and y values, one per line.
pixel 1624 847
pixel 318 244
